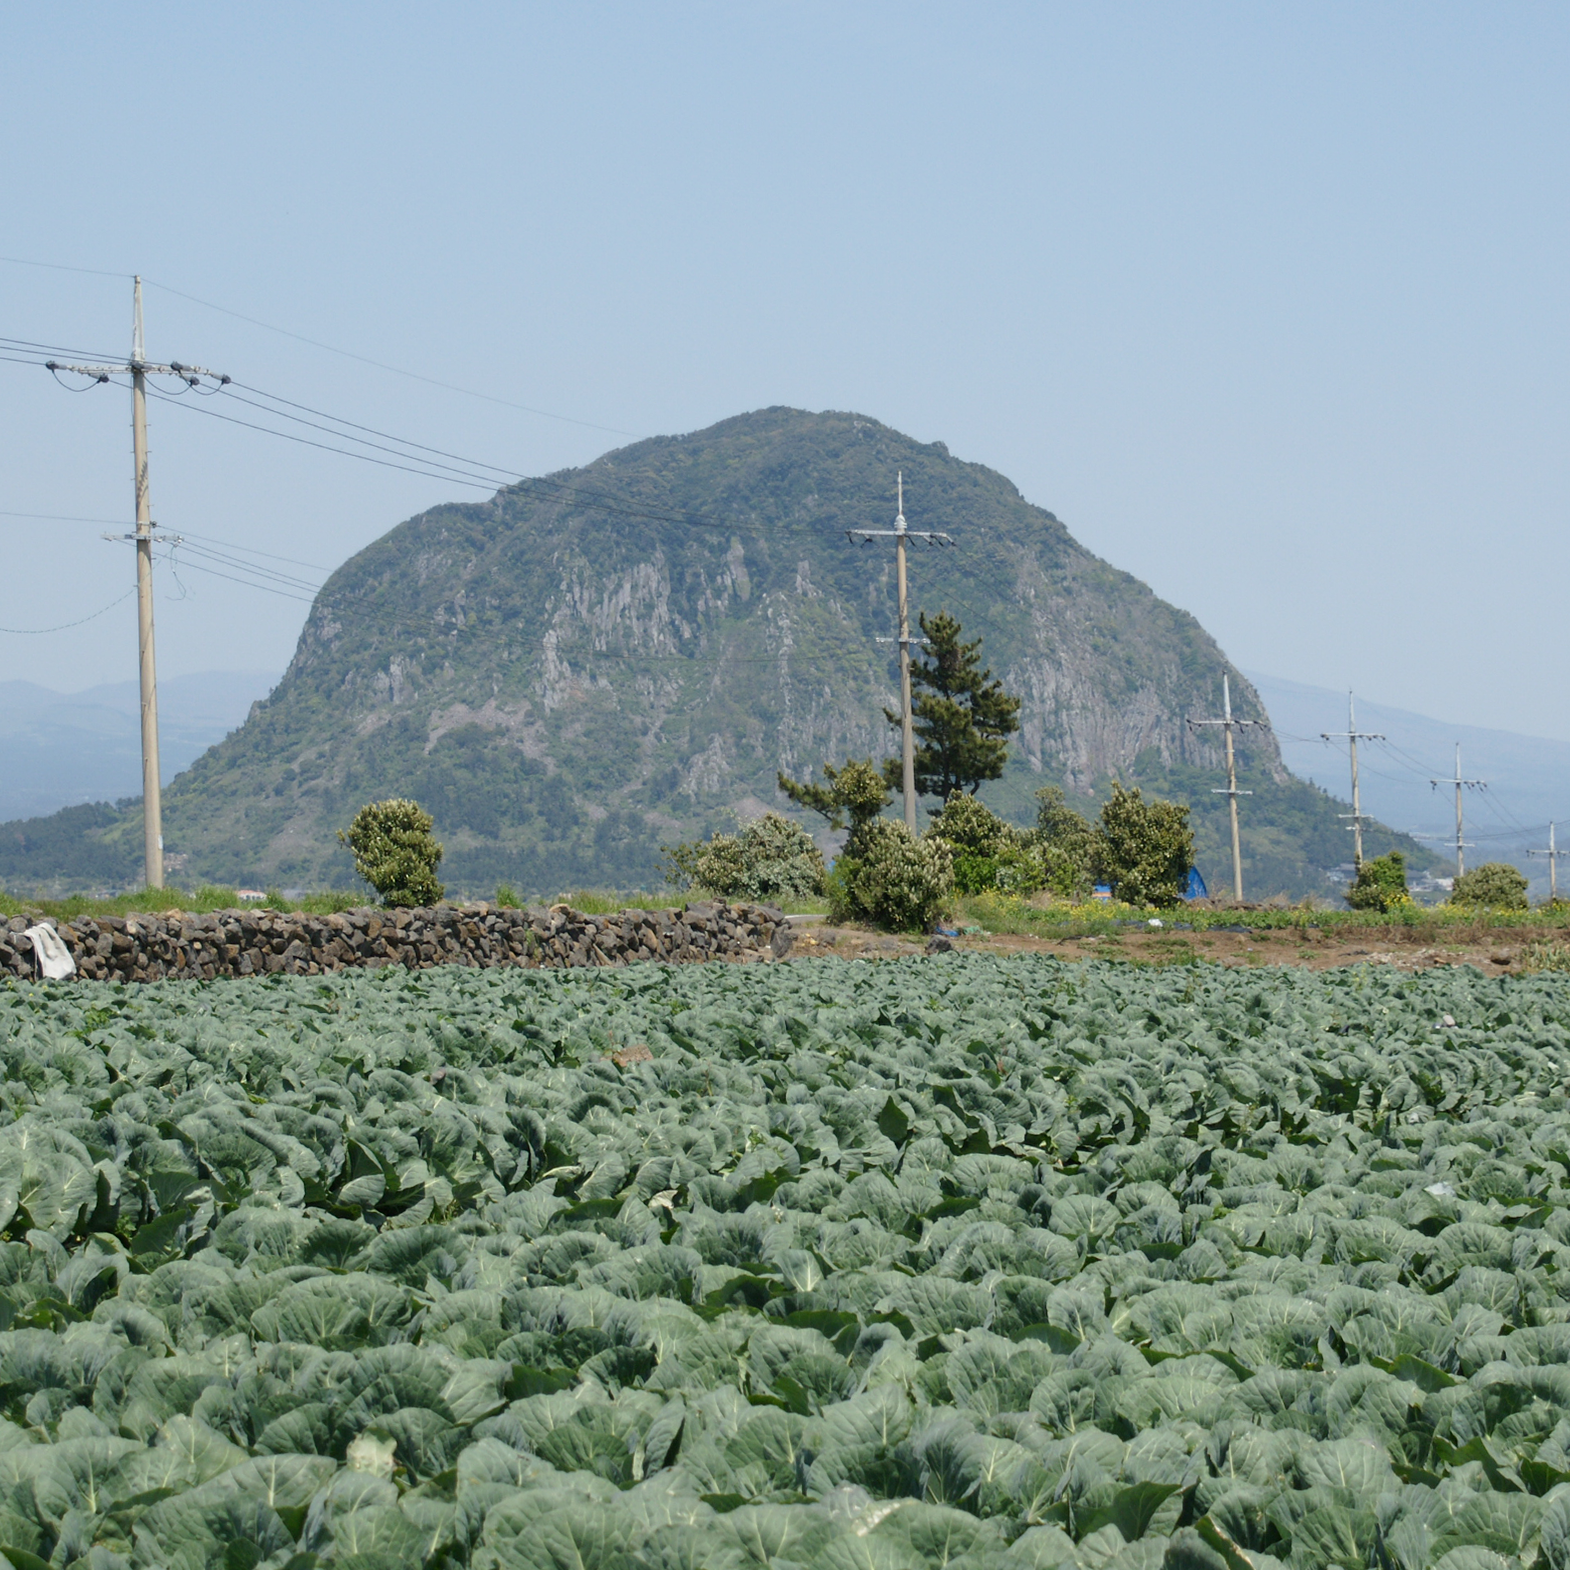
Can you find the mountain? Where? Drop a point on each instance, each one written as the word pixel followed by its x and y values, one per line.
pixel 1526 775
pixel 593 663
pixel 62 748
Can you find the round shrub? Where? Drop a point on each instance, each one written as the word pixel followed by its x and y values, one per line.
pixel 395 851
pixel 897 881
pixel 1496 885
pixel 981 842
pixel 772 858
pixel 1380 884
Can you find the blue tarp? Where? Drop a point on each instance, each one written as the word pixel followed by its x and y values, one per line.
pixel 1195 887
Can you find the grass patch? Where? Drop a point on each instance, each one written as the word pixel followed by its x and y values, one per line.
pixel 195 901
pixel 606 902
pixel 1008 914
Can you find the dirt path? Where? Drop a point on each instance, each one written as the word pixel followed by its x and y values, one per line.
pixel 1496 953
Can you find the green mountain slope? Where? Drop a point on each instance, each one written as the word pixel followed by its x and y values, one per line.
pixel 620 655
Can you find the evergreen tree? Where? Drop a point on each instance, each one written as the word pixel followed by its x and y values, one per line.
pixel 962 716
pixel 851 797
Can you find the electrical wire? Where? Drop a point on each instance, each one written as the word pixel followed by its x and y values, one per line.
pixel 56 348
pixel 470 466
pixel 32 632
pixel 245 582
pixel 61 517
pixel 60 267
pixel 250 550
pixel 381 365
pixel 261 573
pixel 488 482
pixel 321 414
pixel 305 441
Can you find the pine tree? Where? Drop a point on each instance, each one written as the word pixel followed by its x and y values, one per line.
pixel 962 717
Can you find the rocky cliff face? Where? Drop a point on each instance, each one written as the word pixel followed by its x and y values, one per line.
pixel 626 653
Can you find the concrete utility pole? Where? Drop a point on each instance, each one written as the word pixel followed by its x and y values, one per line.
pixel 1352 736
pixel 1553 857
pixel 1459 784
pixel 1227 724
pixel 140 369
pixel 899 534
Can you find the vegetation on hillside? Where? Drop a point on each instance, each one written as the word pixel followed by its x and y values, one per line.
pixel 564 694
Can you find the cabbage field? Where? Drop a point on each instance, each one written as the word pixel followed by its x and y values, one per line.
pixel 968 1261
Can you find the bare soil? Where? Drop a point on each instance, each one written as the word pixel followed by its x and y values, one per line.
pixel 1495 953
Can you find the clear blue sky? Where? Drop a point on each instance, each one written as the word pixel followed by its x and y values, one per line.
pixel 1268 303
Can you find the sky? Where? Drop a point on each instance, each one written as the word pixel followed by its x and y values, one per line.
pixel 1267 303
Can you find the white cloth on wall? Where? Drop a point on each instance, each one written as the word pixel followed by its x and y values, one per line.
pixel 54 958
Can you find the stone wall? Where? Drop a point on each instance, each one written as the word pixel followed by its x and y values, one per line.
pixel 266 942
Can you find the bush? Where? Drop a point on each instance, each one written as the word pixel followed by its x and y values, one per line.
pixel 1144 848
pixel 1380 884
pixel 897 881
pixel 772 858
pixel 1495 885
pixel 395 852
pixel 983 845
pixel 1064 846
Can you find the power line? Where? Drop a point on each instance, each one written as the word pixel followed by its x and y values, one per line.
pixel 33 632
pixel 395 370
pixel 261 573
pixel 245 582
pixel 316 343
pixel 26 345
pixel 60 267
pixel 250 550
pixel 305 441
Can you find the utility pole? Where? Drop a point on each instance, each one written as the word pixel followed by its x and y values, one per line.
pixel 1227 724
pixel 1553 857
pixel 140 369
pixel 1352 736
pixel 899 534
pixel 1459 783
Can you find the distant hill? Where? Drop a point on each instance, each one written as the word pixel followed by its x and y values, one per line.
pixel 1528 776
pixel 63 748
pixel 615 656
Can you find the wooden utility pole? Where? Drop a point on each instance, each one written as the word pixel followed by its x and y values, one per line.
pixel 1352 736
pixel 140 369
pixel 1553 857
pixel 1227 724
pixel 1460 785
pixel 899 534
pixel 147 662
